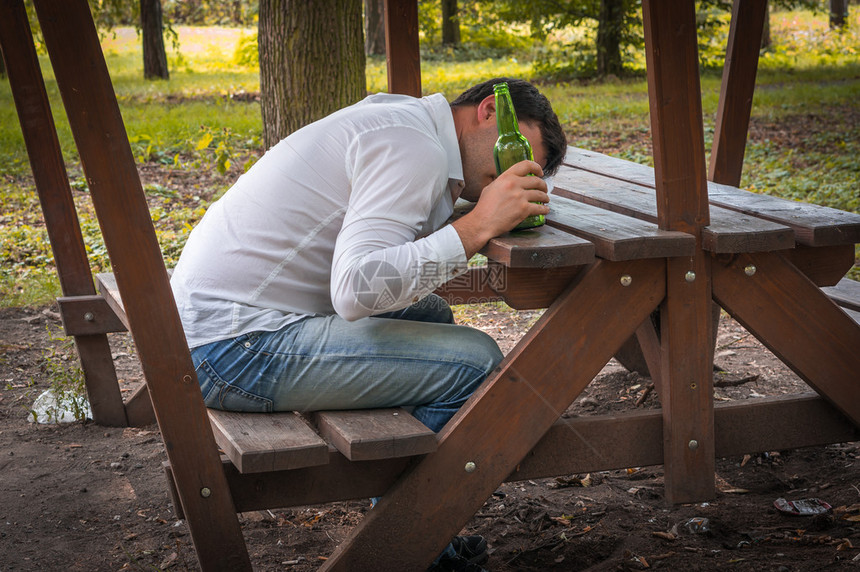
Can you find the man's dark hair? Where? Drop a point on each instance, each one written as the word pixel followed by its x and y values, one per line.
pixel 531 107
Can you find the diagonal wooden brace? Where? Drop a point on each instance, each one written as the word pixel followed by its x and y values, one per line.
pixel 505 418
pixel 790 315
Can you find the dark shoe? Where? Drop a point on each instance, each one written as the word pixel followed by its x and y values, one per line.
pixel 469 553
pixel 454 564
pixel 471 548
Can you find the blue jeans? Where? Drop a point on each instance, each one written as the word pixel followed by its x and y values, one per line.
pixel 413 357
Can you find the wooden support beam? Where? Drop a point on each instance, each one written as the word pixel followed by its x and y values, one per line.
pixel 603 442
pixel 572 445
pixel 120 204
pixel 470 287
pixel 736 92
pixel 401 47
pixel 58 207
pixel 797 322
pixel 87 315
pixel 686 387
pixel 505 417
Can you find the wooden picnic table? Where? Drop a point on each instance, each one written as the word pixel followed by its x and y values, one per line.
pixel 622 241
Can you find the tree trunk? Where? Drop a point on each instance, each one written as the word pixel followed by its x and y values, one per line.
pixel 450 23
pixel 838 14
pixel 311 62
pixel 374 27
pixel 609 27
pixel 765 32
pixel 2 66
pixel 154 56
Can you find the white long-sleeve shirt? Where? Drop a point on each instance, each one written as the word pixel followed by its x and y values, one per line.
pixel 346 215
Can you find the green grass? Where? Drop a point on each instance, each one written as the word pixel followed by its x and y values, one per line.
pixel 201 125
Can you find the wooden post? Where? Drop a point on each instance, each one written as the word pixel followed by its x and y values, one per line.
pixel 120 204
pixel 505 418
pixel 58 207
pixel 402 53
pixel 686 386
pixel 736 92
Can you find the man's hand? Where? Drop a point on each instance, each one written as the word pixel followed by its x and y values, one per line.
pixel 503 204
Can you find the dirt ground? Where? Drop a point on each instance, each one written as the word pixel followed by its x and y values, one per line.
pixel 82 497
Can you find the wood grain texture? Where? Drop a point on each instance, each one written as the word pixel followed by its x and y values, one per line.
pixel 401 52
pixel 371 434
pixel 58 207
pixel 813 225
pixel 617 237
pixel 736 91
pixel 727 232
pixel 120 204
pixel 795 320
pixel 258 442
pixel 846 293
pixel 505 418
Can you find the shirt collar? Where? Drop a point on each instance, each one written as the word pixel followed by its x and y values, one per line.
pixel 444 119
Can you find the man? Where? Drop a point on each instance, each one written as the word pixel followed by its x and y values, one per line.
pixel 309 284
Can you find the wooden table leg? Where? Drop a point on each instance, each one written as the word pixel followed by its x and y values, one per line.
pixel 686 385
pixel 790 315
pixel 505 418
pixel 675 101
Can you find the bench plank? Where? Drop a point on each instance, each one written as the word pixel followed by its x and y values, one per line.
pixel 813 225
pixel 106 283
pixel 616 236
pixel 258 442
pixel 541 247
pixel 846 294
pixel 372 434
pixel 728 231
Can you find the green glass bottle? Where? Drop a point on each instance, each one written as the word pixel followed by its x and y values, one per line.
pixel 511 146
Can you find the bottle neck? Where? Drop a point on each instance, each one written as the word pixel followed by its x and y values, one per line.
pixel 506 117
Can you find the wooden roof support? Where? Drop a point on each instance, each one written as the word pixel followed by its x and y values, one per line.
pixel 58 207
pixel 736 93
pixel 401 47
pixel 686 384
pixel 120 204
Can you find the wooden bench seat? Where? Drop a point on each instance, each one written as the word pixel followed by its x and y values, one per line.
pixel 260 442
pixel 846 294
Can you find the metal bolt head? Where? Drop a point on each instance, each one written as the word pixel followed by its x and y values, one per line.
pixel 690 276
pixel 89 317
pixel 693 444
pixel 205 492
pixel 626 280
pixel 470 467
pixel 749 270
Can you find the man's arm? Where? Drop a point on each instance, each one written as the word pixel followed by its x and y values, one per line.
pixel 503 204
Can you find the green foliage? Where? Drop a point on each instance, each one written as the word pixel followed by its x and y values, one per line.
pixel 247 53
pixel 483 34
pixel 201 128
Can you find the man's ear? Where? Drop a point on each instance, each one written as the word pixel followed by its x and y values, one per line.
pixel 487 109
